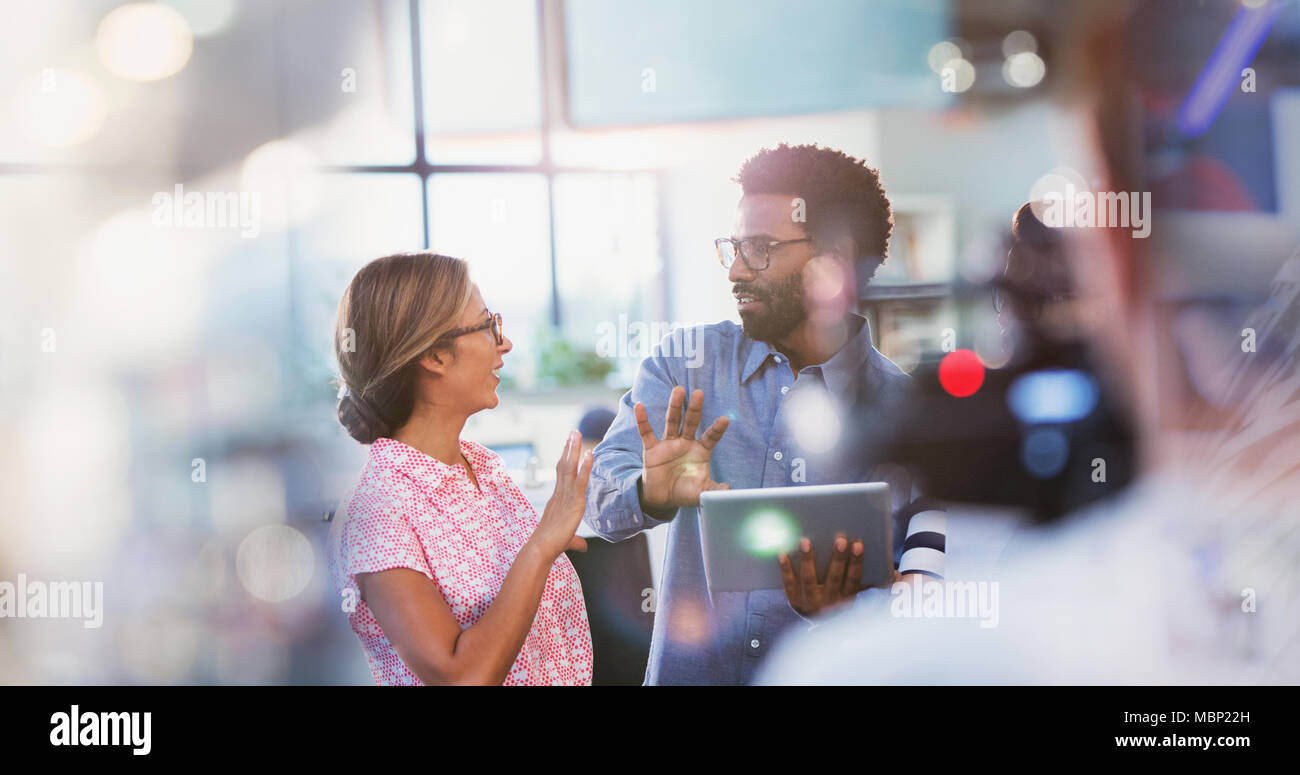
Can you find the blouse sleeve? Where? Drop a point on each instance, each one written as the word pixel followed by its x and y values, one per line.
pixel 379 536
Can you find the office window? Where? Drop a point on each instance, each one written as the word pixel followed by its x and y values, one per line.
pixel 482 81
pixel 345 81
pixel 358 217
pixel 500 224
pixel 610 271
pixel 557 250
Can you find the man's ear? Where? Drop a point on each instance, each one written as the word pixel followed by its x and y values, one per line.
pixel 436 361
pixel 842 248
pixel 845 251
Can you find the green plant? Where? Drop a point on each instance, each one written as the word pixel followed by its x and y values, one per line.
pixel 561 364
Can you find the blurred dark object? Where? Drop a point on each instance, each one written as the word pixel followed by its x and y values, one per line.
pixel 594 423
pixel 617 586
pixel 1043 434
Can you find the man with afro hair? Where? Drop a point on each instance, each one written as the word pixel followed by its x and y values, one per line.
pixel 794 395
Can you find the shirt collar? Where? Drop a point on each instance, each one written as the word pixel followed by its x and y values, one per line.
pixel 759 352
pixel 838 371
pixel 431 472
pixel 844 366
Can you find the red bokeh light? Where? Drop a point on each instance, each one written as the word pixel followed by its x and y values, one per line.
pixel 961 373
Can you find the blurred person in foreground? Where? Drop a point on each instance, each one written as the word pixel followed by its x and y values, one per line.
pixel 1160 584
pixel 446 572
pixel 777 398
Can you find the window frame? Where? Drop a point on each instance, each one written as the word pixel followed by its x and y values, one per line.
pixel 544 167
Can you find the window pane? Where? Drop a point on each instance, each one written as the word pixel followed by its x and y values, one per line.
pixel 275 70
pixel 347 80
pixel 482 81
pixel 639 63
pixel 609 266
pixel 499 223
pixel 358 218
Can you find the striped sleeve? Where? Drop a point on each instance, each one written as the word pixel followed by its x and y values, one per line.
pixel 923 548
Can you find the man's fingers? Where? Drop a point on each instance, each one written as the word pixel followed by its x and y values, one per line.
pixel 791 583
pixel 807 565
pixel 673 420
pixel 694 408
pixel 648 439
pixel 853 581
pixel 577 544
pixel 839 559
pixel 709 485
pixel 714 434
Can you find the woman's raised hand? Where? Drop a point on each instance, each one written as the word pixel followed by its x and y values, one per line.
pixel 555 534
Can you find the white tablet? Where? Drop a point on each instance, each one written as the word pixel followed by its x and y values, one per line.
pixel 743 531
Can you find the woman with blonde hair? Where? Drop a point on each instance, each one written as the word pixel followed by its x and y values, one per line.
pixel 452 577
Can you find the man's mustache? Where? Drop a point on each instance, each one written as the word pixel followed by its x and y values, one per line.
pixel 748 290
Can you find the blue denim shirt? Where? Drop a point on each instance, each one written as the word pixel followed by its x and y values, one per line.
pixel 821 428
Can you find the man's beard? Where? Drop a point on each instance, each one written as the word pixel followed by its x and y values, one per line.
pixel 785 311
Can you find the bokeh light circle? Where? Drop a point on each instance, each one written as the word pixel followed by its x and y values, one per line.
pixel 961 373
pixel 1024 70
pixel 60 108
pixel 1019 42
pixel 816 422
pixel 1064 182
pixel 942 53
pixel 274 562
pixel 769 532
pixel 144 41
pixel 963 74
pixel 1044 452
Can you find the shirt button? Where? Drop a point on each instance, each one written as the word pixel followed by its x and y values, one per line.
pixel 776 455
pixel 753 644
pixel 785 390
pixel 776 358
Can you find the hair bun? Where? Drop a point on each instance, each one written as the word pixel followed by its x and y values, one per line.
pixel 360 419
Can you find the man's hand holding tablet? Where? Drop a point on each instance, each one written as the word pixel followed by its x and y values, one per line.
pixel 675 469
pixel 843 578
pixel 743 531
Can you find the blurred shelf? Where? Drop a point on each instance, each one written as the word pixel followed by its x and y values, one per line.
pixel 889 291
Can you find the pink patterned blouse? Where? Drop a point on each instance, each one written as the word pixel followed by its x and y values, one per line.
pixel 412 511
